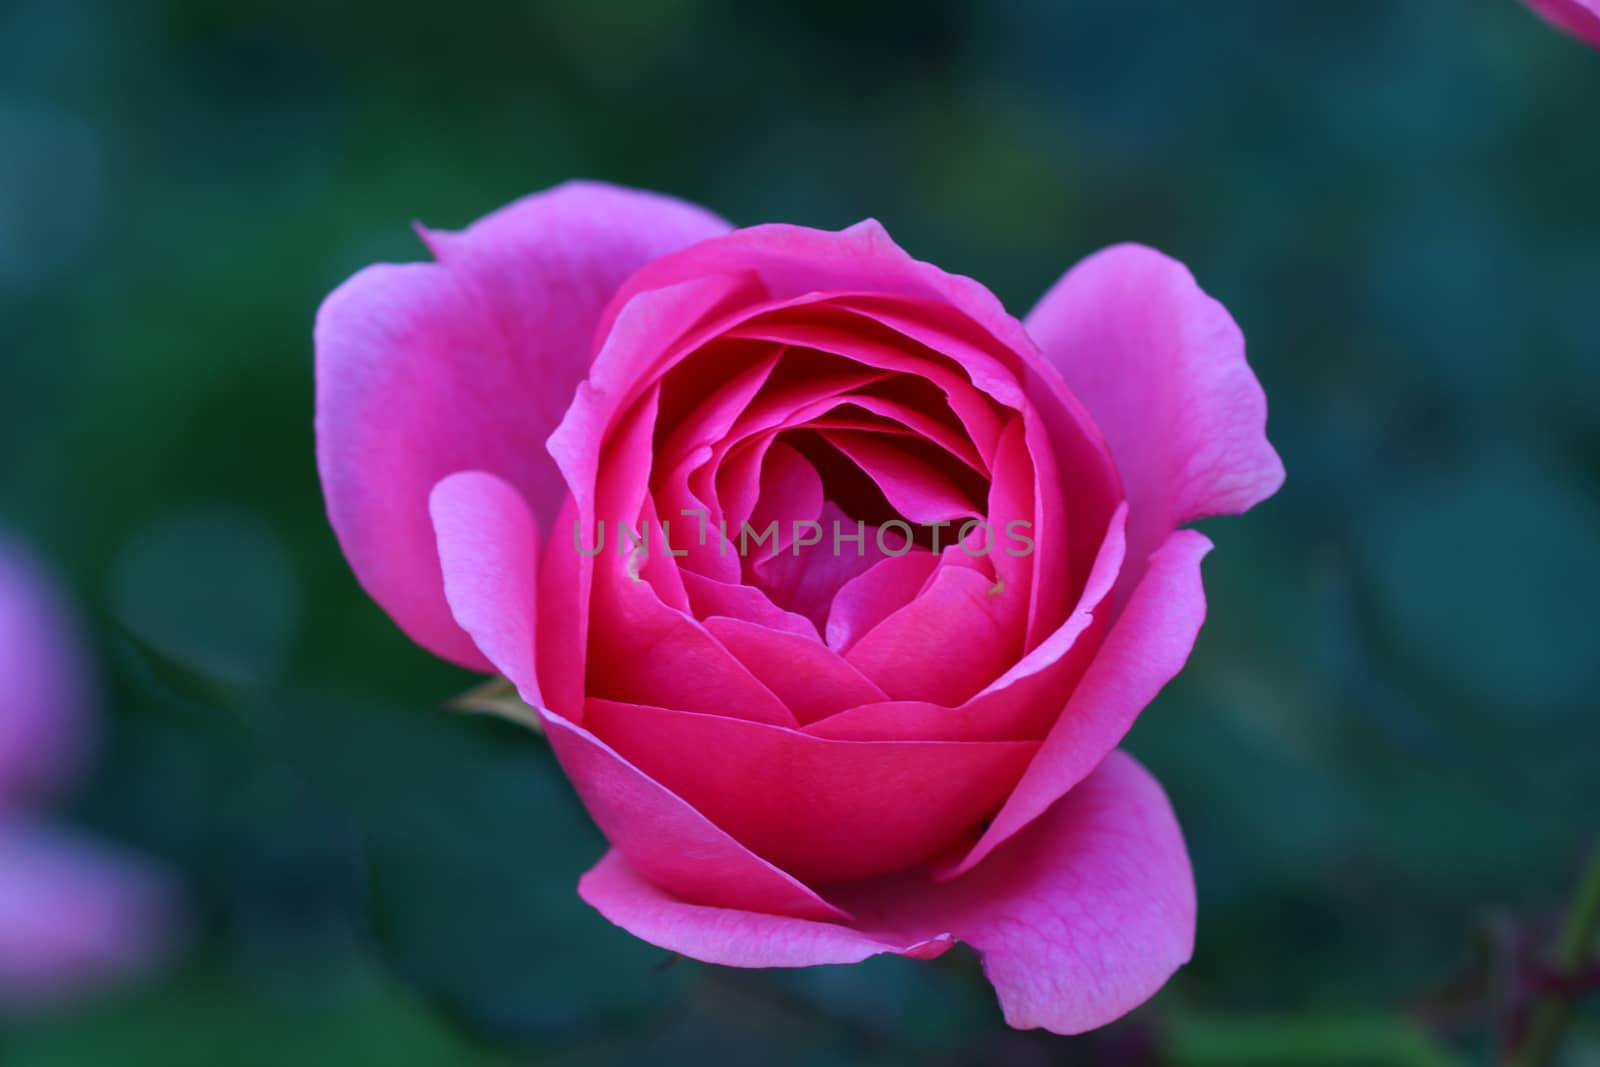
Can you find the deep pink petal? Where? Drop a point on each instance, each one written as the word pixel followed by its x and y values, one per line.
pixel 667 840
pixel 1146 646
pixel 653 653
pixel 791 492
pixel 427 369
pixel 807 583
pixel 874 595
pixel 1161 366
pixel 944 646
pixel 488 549
pixel 915 488
pixel 653 321
pixel 810 678
pixel 708 597
pixel 1024 701
pixel 841 334
pixel 822 810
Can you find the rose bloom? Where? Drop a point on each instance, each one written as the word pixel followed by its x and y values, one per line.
pixel 1581 18
pixel 74 915
pixel 844 741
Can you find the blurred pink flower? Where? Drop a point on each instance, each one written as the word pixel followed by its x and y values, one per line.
pixel 1581 18
pixel 74 914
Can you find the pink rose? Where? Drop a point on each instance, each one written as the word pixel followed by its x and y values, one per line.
pixel 1581 18
pixel 73 914
pixel 836 742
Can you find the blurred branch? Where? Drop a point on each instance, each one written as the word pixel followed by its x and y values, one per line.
pixel 1553 1013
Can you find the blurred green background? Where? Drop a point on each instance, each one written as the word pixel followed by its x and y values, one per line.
pixel 1384 751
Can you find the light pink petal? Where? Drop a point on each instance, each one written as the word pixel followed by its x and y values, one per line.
pixel 727 936
pixel 1146 646
pixel 427 369
pixel 668 841
pixel 1581 18
pixel 44 687
pixel 74 917
pixel 1078 921
pixel 1161 366
pixel 488 549
pixel 822 810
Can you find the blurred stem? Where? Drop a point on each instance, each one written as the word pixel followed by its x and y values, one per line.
pixel 1285 1041
pixel 1553 1014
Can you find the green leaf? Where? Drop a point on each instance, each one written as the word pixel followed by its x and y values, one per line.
pixel 474 843
pixel 334 1011
pixel 211 591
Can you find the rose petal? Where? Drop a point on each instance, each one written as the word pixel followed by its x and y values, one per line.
pixel 806 675
pixel 727 936
pixel 668 841
pixel 1025 700
pixel 1079 920
pixel 915 488
pixel 427 369
pixel 1146 646
pixel 488 552
pixel 944 646
pixel 708 597
pixel 870 597
pixel 1161 366
pixel 821 810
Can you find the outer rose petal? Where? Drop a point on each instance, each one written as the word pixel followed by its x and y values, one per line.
pixel 1160 365
pixel 44 723
pixel 427 369
pixel 1581 18
pixel 1078 920
pixel 73 915
pixel 666 839
pixel 488 549
pixel 1145 648
pixel 729 936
